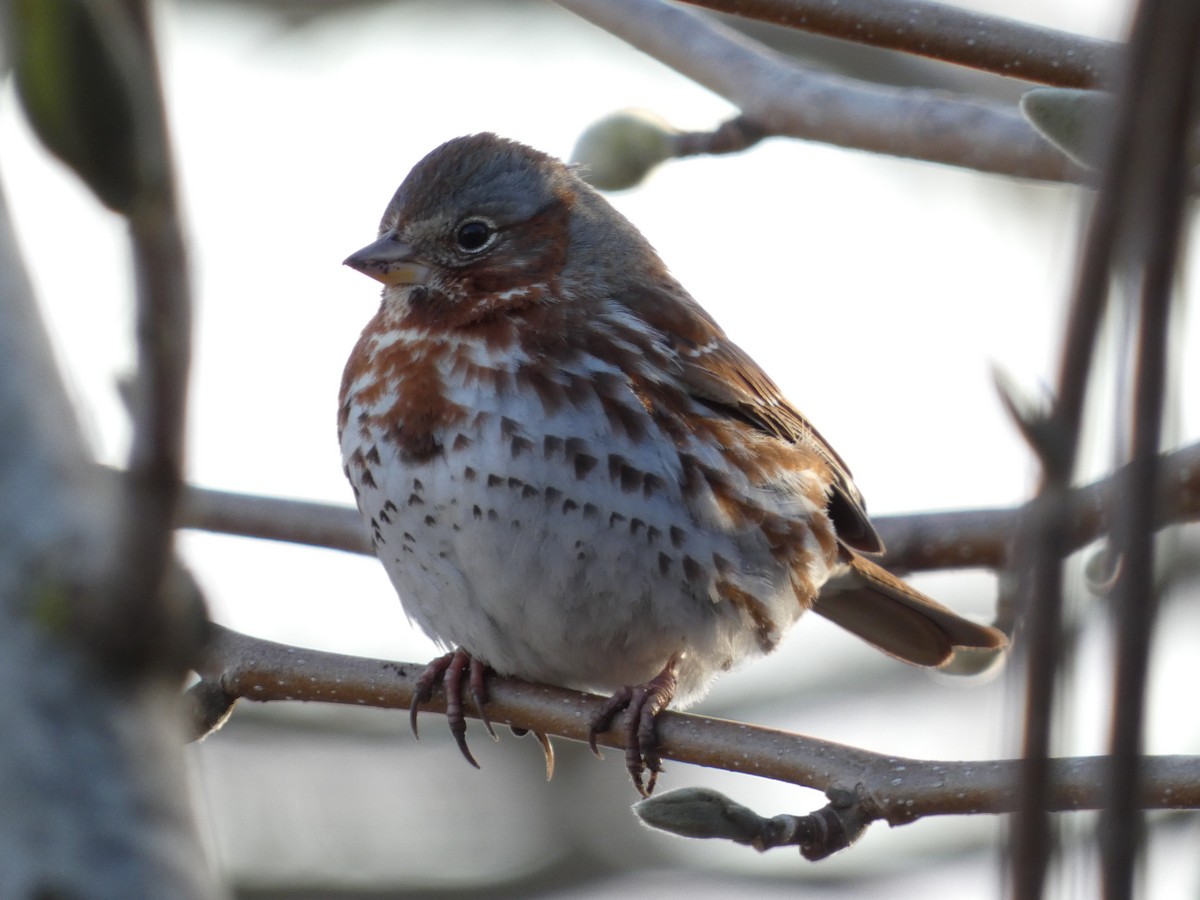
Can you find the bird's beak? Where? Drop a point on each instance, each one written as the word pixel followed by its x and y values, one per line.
pixel 389 260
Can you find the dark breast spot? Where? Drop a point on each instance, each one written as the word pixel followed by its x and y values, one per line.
pixel 584 464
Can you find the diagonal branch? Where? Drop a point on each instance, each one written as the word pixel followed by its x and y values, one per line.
pixel 947 33
pixel 784 98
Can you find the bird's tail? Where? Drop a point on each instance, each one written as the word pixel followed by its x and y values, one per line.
pixel 878 607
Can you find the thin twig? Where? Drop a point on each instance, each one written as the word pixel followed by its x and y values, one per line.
pixel 135 623
pixel 275 519
pixel 901 789
pixel 1042 544
pixel 983 538
pixel 784 98
pixel 1163 84
pixel 947 33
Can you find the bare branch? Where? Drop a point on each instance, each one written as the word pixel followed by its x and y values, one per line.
pixel 276 519
pixel 899 790
pixel 134 619
pixel 983 538
pixel 948 33
pixel 1151 118
pixel 782 97
pixel 1163 92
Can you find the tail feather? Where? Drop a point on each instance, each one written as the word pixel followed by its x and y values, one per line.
pixel 878 607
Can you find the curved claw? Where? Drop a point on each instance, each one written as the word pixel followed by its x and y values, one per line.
pixel 548 751
pixel 603 720
pixel 412 715
pixel 423 693
pixel 448 671
pixel 644 703
pixel 459 730
pixel 479 695
pixel 647 736
pixel 547 747
pixel 453 683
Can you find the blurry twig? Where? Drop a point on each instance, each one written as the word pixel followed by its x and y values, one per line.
pixel 1160 102
pixel 895 789
pixel 87 77
pixel 274 518
pixel 984 537
pixel 158 392
pixel 943 32
pixel 1134 227
pixel 784 98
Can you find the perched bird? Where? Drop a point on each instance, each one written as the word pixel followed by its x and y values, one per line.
pixel 572 475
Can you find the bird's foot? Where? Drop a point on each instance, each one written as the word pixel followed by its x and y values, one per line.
pixel 644 702
pixel 449 671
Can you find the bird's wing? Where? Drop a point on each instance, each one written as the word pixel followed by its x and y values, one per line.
pixel 721 376
pixel 863 598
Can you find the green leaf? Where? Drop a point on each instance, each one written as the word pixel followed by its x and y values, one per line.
pixel 1069 119
pixel 76 91
pixel 620 150
pixel 701 813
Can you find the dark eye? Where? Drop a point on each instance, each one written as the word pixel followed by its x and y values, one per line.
pixel 474 234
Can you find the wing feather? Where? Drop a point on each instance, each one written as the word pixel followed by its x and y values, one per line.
pixel 724 378
pixel 865 599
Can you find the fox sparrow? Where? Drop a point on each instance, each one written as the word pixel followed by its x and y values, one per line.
pixel 572 475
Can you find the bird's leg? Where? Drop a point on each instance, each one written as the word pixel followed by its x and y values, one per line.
pixel 644 702
pixel 448 671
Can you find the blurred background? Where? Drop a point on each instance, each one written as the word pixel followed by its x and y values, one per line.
pixel 293 123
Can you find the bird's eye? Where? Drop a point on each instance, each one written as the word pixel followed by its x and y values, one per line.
pixel 474 234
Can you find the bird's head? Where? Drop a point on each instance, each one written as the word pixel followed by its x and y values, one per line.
pixel 480 225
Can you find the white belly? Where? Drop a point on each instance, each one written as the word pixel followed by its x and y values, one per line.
pixel 561 550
